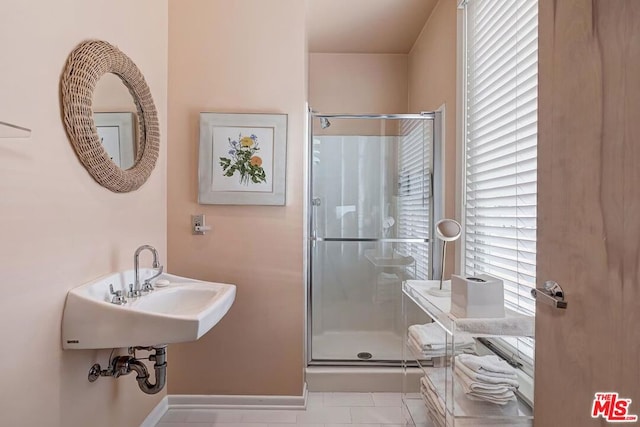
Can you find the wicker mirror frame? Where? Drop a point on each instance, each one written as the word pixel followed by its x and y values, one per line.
pixel 85 66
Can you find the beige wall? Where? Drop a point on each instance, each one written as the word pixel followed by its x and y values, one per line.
pixel 112 96
pixel 358 83
pixel 58 228
pixel 432 83
pixel 218 65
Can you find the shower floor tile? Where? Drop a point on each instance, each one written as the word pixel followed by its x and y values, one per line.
pixel 346 345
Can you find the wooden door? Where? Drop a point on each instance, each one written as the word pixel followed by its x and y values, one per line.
pixel 588 207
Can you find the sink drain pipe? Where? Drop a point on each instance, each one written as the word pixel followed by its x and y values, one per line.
pixel 124 365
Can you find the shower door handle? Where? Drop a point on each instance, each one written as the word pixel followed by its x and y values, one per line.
pixel 315 202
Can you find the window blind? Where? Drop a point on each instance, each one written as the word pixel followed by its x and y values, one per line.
pixel 414 190
pixel 501 149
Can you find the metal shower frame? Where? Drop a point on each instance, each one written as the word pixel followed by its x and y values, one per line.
pixel 437 211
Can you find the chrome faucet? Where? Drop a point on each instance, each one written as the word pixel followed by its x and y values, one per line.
pixel 147 287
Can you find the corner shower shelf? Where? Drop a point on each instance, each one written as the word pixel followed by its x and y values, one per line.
pixel 395 260
pixel 454 407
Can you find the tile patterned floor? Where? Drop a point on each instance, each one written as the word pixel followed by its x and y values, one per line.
pixel 323 410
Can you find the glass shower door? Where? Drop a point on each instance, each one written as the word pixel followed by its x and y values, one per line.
pixel 371 220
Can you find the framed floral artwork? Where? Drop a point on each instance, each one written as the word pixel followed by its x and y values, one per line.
pixel 118 137
pixel 242 159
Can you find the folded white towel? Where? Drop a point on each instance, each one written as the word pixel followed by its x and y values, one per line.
pixel 497 401
pixel 427 389
pixel 494 393
pixel 433 402
pixel 418 352
pixel 474 384
pixel 466 405
pixel 513 325
pixel 486 379
pixel 488 365
pixel 436 417
pixel 431 337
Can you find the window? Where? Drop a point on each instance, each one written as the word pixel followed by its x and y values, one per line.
pixel 500 137
pixel 414 191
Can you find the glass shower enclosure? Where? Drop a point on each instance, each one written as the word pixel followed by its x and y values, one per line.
pixel 371 210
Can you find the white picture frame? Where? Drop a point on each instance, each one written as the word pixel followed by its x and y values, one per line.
pixel 242 159
pixel 117 134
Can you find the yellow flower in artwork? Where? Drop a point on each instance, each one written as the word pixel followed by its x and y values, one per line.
pixel 256 161
pixel 246 141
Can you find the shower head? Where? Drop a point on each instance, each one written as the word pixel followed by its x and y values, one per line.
pixel 324 122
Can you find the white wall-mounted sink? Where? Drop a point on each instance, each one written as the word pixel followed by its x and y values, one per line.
pixel 183 311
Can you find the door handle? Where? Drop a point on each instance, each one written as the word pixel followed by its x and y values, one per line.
pixel 551 294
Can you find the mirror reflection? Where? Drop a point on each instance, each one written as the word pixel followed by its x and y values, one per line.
pixel 114 113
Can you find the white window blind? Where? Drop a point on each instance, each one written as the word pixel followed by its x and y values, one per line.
pixel 501 146
pixel 414 190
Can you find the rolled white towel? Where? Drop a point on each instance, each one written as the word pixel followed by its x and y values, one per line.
pixel 487 365
pixel 485 379
pixel 431 336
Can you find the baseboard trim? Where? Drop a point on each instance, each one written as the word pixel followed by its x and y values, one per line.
pixel 156 413
pixel 196 401
pixel 360 379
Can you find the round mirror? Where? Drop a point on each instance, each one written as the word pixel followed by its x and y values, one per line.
pixel 95 68
pixel 448 230
pixel 115 116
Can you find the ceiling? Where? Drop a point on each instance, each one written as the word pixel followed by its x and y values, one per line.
pixel 365 26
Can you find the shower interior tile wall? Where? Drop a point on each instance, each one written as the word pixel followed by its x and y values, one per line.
pixel 323 410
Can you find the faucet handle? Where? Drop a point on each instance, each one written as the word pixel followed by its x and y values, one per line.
pixel 147 286
pixel 118 298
